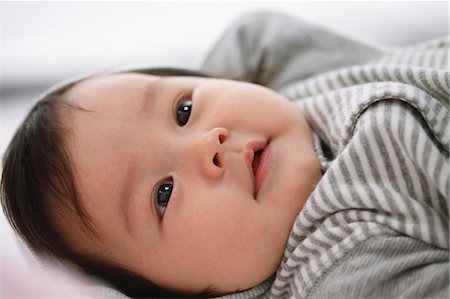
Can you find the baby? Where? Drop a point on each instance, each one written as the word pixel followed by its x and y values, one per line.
pixel 167 185
pixel 183 180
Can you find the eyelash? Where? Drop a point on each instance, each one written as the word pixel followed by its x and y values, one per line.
pixel 165 188
pixel 185 99
pixel 167 185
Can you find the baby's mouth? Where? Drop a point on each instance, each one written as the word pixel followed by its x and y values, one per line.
pixel 255 163
pixel 254 153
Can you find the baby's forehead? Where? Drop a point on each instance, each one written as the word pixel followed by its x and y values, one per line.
pixel 108 80
pixel 106 86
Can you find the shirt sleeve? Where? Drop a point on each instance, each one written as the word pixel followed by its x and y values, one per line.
pixel 274 49
pixel 388 267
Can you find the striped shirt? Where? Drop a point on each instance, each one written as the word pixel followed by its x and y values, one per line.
pixel 377 224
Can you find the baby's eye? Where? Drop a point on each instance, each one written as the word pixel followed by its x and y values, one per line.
pixel 183 112
pixel 163 195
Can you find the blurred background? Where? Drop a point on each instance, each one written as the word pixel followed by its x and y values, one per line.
pixel 43 43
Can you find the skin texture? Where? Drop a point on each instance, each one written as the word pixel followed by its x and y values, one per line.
pixel 216 231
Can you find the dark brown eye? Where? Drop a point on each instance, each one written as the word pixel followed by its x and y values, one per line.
pixel 163 195
pixel 184 112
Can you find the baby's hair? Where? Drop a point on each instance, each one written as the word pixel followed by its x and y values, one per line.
pixel 37 174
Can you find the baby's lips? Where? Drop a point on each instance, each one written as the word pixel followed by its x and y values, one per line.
pixel 249 156
pixel 256 145
pixel 250 149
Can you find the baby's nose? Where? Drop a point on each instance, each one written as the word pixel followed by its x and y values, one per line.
pixel 211 150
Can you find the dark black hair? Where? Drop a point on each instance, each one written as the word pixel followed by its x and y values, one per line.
pixel 37 174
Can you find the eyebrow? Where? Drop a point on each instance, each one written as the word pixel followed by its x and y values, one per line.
pixel 125 198
pixel 148 100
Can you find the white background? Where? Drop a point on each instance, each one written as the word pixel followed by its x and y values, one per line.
pixel 48 41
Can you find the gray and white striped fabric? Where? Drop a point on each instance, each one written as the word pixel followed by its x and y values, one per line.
pixel 384 198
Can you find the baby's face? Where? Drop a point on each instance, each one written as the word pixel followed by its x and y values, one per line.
pixel 190 182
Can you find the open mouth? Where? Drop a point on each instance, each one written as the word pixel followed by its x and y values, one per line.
pixel 256 159
pixel 259 161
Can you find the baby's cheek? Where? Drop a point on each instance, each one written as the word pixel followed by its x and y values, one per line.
pixel 283 116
